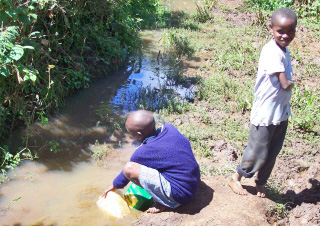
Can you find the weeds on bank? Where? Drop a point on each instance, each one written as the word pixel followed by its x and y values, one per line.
pixel 306 109
pixel 281 209
pixel 156 99
pixel 10 161
pixel 212 170
pixel 203 14
pixel 100 152
pixel 237 95
pixel 177 44
pixel 277 212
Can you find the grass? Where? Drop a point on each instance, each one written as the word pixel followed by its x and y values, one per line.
pixel 100 152
pixel 282 207
pixel 224 96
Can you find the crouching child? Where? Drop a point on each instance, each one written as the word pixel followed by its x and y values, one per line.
pixel 164 164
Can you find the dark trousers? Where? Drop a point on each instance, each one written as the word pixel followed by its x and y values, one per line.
pixel 265 143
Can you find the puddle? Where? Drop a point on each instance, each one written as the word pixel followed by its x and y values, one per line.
pixel 39 196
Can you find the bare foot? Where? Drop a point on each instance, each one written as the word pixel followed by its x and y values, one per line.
pixel 236 186
pixel 156 208
pixel 261 192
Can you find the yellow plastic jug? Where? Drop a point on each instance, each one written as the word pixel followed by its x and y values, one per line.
pixel 114 205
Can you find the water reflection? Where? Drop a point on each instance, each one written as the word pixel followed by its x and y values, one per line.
pixel 156 81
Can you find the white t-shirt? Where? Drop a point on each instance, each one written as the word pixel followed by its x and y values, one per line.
pixel 271 103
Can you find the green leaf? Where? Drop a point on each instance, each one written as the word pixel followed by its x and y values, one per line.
pixel 12 13
pixel 28 47
pixel 33 77
pixel 4 71
pixel 25 70
pixel 26 77
pixel 34 16
pixel 9 45
pixel 16 52
pixel 29 42
pixel 3 17
pixel 31 7
pixel 8 2
pixel 66 21
pixel 35 33
pixel 24 19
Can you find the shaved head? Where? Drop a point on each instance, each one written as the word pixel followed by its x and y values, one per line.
pixel 283 13
pixel 141 124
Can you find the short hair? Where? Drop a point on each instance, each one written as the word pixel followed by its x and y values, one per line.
pixel 283 13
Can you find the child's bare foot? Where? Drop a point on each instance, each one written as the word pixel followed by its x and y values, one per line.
pixel 261 192
pixel 156 208
pixel 235 185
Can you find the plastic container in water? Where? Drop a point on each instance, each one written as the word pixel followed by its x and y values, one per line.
pixel 137 197
pixel 114 205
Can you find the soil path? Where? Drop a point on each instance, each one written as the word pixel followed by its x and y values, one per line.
pixel 215 204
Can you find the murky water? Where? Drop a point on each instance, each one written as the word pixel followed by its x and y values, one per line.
pixel 62 188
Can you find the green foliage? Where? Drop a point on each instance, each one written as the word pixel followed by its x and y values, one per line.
pixel 211 4
pixel 54 146
pixel 309 8
pixel 177 44
pixel 303 8
pixel 271 4
pixel 235 95
pixel 10 161
pixel 100 152
pixel 203 14
pixel 306 109
pixel 157 99
pixel 278 212
pixel 76 79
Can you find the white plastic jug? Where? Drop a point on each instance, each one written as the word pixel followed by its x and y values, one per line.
pixel 114 205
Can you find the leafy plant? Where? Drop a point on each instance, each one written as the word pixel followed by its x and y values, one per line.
pixel 211 4
pixel 100 152
pixel 54 146
pixel 271 4
pixel 10 161
pixel 277 212
pixel 306 109
pixel 309 8
pixel 203 14
pixel 177 44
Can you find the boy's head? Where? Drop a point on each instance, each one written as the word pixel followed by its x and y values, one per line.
pixel 283 26
pixel 141 124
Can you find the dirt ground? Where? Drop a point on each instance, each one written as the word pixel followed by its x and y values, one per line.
pixel 215 204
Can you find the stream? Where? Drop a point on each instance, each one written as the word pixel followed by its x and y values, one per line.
pixel 62 186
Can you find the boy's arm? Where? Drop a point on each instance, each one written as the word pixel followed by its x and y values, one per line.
pixel 285 84
pixel 119 182
pixel 111 188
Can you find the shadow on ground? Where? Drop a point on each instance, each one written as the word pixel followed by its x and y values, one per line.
pixel 202 199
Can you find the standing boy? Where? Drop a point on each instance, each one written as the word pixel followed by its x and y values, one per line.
pixel 271 107
pixel 163 165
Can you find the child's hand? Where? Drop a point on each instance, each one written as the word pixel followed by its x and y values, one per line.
pixel 285 83
pixel 111 188
pixel 292 83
